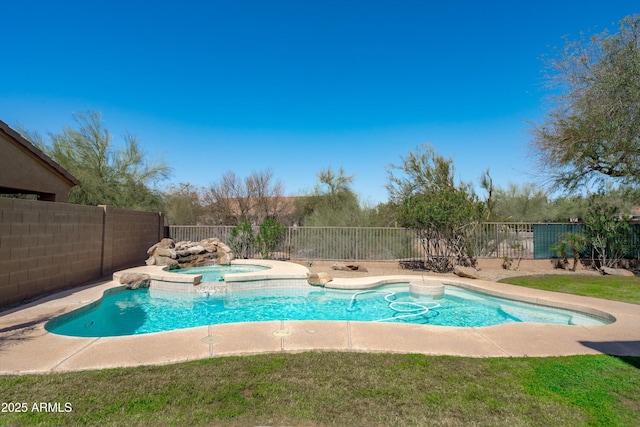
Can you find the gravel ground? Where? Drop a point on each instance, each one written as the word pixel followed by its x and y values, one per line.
pixel 489 269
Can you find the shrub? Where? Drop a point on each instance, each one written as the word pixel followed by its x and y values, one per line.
pixel 606 231
pixel 269 237
pixel 242 239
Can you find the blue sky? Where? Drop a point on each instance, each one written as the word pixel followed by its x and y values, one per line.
pixel 295 86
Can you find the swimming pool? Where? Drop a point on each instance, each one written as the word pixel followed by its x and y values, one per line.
pixel 143 311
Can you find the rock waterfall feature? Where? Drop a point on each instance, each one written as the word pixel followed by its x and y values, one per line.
pixel 189 254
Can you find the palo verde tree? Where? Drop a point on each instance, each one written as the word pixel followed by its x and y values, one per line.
pixel 591 134
pixel 332 202
pixel 526 202
pixel 117 176
pixel 182 204
pixel 442 212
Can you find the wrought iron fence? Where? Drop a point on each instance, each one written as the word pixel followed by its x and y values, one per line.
pixel 504 239
pixel 488 240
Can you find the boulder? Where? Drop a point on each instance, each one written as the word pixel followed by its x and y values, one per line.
pixel 617 272
pixel 186 259
pixel 165 260
pixel 224 259
pixel 190 254
pixel 135 280
pixel 166 252
pixel 210 243
pixel 318 279
pixel 152 249
pixel 348 267
pixel 225 255
pixel 468 272
pixel 197 249
pixel 166 243
pixel 224 248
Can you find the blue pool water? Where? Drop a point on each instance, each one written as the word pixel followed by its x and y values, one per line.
pixel 141 311
pixel 215 273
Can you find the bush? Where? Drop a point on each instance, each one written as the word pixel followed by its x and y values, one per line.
pixel 269 237
pixel 242 239
pixel 606 231
pixel 444 221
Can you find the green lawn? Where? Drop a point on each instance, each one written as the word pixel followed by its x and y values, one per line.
pixel 617 288
pixel 346 389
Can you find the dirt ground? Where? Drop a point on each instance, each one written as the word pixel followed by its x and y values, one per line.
pixel 489 269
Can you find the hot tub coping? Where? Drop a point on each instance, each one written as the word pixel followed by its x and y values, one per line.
pixel 277 269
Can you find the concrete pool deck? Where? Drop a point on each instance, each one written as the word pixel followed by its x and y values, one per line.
pixel 26 347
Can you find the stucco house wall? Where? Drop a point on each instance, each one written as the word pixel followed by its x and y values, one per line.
pixel 25 169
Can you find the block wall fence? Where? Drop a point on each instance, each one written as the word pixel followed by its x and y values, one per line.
pixel 46 246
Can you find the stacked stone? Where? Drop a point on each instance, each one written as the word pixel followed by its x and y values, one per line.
pixel 189 254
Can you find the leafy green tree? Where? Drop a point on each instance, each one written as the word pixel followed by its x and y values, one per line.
pixel 117 176
pixel 591 135
pixel 442 213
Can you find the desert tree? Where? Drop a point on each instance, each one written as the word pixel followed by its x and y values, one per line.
pixel 225 201
pixel 607 230
pixel 421 170
pixel 443 213
pixel 591 132
pixel 232 199
pixel 521 202
pixel 121 176
pixel 182 204
pixel 332 202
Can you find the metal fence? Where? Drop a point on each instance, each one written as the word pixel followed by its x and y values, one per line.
pixel 489 240
pixel 503 239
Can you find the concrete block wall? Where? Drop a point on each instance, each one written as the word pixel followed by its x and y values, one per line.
pixel 128 236
pixel 47 246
